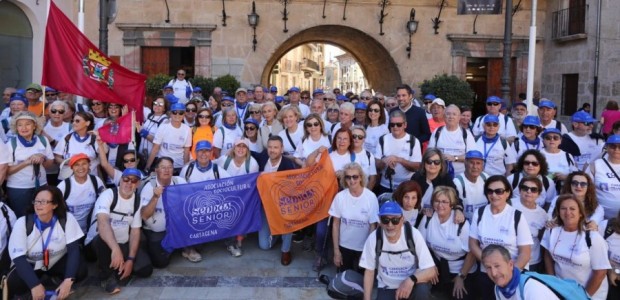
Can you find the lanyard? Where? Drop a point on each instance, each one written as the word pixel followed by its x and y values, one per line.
pixel 45 244
pixel 486 153
pixel 242 114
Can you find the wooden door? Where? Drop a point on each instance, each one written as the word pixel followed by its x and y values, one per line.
pixel 494 77
pixel 155 60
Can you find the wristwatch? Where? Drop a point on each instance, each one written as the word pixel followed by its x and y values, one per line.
pixel 456 158
pixel 414 279
pixel 617 271
pixel 463 276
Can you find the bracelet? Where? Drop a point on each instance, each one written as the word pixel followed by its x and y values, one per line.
pixel 130 258
pixel 414 279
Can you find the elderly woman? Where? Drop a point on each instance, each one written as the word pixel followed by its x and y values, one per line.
pixel 255 112
pixel 345 116
pixel 560 163
pixel 81 140
pixel 448 242
pixel 55 130
pixel 530 188
pixel 271 125
pixel 580 185
pixel 227 102
pixel 433 174
pixel 610 230
pixel 499 223
pixel 332 113
pixel 152 123
pixel 173 139
pixel 314 138
pixel 203 129
pixel 189 118
pixel 364 157
pixel 30 153
pixel 607 187
pixel 226 135
pixel 45 242
pixel 573 252
pixel 99 110
pixel 530 138
pixel 533 163
pixel 452 140
pixel 250 132
pixel 17 103
pixel 376 122
pixel 289 116
pixel 354 214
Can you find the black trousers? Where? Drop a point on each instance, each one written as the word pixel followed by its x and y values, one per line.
pixel 142 266
pixel 421 291
pixel 151 240
pixel 350 259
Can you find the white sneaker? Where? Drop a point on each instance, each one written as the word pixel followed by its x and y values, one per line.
pixel 191 254
pixel 235 250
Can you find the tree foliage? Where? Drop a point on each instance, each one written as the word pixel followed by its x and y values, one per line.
pixel 450 88
pixel 228 83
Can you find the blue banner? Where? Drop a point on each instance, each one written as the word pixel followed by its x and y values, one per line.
pixel 211 210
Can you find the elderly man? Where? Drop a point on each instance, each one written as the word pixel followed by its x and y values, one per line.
pixel 417 124
pixel 34 91
pixel 519 112
pixel 402 273
pixel 366 97
pixel 398 153
pixel 438 107
pixel 317 106
pixel 470 185
pixel 318 93
pixel 584 146
pixel 506 129
pixel 259 94
pixel 295 99
pixel 499 158
pixel 181 86
pixel 453 140
pixel 241 104
pixel 546 112
pixel 6 95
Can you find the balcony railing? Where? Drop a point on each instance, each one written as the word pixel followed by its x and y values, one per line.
pixel 310 66
pixel 569 21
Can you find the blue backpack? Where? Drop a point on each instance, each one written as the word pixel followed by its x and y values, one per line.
pixel 563 288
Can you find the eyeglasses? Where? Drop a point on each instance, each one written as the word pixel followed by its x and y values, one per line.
pixel 394 221
pixel 159 104
pixel 190 110
pixel 491 124
pixel 315 124
pixel 493 104
pixel 498 192
pixel 332 110
pixel 349 177
pixel 250 128
pixel 533 127
pixel 41 202
pixel 183 74
pixel 99 103
pixel 56 111
pixel 129 160
pixel 305 97
pixel 328 99
pixel 255 112
pixel 442 202
pixel 436 162
pixel 358 136
pixel 552 138
pixel 613 146
pixel 50 95
pixel 365 98
pixel 390 105
pixel 531 163
pixel 131 179
pixel 375 110
pixel 576 183
pixel 178 112
pixel 399 125
pixel 530 189
pixel 204 117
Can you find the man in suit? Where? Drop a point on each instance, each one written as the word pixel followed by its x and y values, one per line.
pixel 417 124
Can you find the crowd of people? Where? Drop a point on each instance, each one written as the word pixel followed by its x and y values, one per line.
pixel 431 201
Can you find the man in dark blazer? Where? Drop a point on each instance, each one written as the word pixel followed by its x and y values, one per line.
pixel 417 123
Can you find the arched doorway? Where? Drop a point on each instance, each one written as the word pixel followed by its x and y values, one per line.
pixel 376 62
pixel 16 45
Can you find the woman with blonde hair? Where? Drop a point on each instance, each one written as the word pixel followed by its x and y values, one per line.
pixel 314 138
pixel 289 116
pixel 203 128
pixel 271 125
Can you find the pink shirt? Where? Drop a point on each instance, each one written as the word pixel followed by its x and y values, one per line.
pixel 610 117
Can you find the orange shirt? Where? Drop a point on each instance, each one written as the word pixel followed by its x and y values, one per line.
pixel 434 124
pixel 36 109
pixel 201 134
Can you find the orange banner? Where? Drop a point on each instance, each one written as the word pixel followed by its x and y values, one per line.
pixel 297 198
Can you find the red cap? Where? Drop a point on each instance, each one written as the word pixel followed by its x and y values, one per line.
pixel 77 157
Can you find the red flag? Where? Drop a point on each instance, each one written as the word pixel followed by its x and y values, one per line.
pixel 118 132
pixel 71 63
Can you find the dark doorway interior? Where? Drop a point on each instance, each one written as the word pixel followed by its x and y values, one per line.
pixel 570 89
pixel 477 76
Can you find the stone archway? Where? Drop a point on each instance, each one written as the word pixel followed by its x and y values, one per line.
pixel 376 62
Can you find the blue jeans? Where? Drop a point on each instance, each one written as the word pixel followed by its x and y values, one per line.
pixel 266 240
pixel 20 200
pixel 321 234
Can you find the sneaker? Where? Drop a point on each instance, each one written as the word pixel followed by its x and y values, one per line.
pixel 110 285
pixel 191 254
pixel 298 236
pixel 235 250
pixel 308 243
pixel 318 265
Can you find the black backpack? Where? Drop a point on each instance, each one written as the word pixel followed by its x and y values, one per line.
pixel 136 205
pixel 408 238
pixel 517 217
pixel 440 128
pixel 5 214
pixel 30 223
pixel 192 165
pixel 411 144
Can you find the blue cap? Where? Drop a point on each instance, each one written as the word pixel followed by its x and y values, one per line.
pixel 177 106
pixel 251 121
pixel 167 86
pixel 360 106
pixel 273 89
pixel 390 208
pixel 265 90
pixel 279 99
pixel 132 172
pixel 294 89
pixel 552 130
pixel 531 120
pixel 203 145
pixel 613 139
pixel 429 97
pixel 582 117
pixel 18 97
pixel 228 98
pixel 491 119
pixel 546 103
pixel 197 89
pixel 474 154
pixel 171 98
pixel 317 91
pixel 342 98
pixel 519 104
pixel 494 99
pixel 50 90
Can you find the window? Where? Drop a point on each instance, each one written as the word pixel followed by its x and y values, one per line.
pixel 570 88
pixel 570 20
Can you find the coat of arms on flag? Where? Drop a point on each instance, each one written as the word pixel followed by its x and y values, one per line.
pixel 97 67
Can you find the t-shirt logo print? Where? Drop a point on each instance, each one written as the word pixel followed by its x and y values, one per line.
pixel 97 67
pixel 215 211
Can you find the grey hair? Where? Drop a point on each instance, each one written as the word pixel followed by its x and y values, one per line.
pixel 398 113
pixel 270 104
pixel 59 103
pixel 348 106
pixel 37 121
pixel 490 249
pixel 353 166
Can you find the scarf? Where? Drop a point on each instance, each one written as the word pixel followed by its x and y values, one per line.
pixel 534 143
pixel 80 140
pixel 205 169
pixel 231 127
pixel 26 143
pixel 511 288
pixel 489 140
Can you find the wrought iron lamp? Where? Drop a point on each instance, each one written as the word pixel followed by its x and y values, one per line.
pixel 253 21
pixel 412 27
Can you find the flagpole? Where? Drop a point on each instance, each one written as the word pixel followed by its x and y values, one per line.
pixel 44 100
pixel 133 132
pixel 80 99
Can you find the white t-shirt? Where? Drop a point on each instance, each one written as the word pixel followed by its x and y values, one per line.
pixel 536 219
pixel 372 137
pixel 32 246
pixel 289 149
pixel 553 124
pixel 157 222
pixel 198 176
pixel 613 243
pixel 256 146
pixel 607 187
pixel 546 195
pixel 532 289
pixel 398 147
pixel 81 199
pixel 57 133
pixel 308 145
pixel 499 229
pixel 559 163
pixel 121 219
pixel 411 215
pixel 24 178
pixel 474 192
pixel 5 153
pixel 588 148
pixel 446 242
pixel 506 126
pixel 396 267
pixel 339 161
pixel 523 146
pixel 4 237
pixel 76 147
pixel 304 109
pixel 452 143
pixel 180 89
pixel 173 142
pixel 573 259
pixel 151 124
pixel 496 156
pixel 356 214
pixel 227 141
pixel 367 161
pixel 235 170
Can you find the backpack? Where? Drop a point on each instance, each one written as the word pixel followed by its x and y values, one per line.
pixel 5 214
pixel 161 120
pixel 93 181
pixel 229 159
pixel 153 181
pixel 345 285
pixel 438 132
pixel 92 141
pixel 5 125
pixel 501 139
pixel 516 180
pixel 192 165
pixel 609 230
pixel 462 181
pixel 30 223
pixel 408 238
pixel 517 217
pixel 136 205
pixel 562 288
pixel 411 144
pixel 14 143
pixel 481 118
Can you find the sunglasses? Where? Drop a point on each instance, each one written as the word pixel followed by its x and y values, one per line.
pixel 358 136
pixel 40 202
pixel 130 160
pixel 436 162
pixel 204 117
pixel 552 138
pixel 576 183
pixel 328 99
pixel 493 104
pixel 533 127
pixel 255 112
pixel 315 124
pixel 394 221
pixel 97 103
pixel 131 179
pixel 57 111
pixel 50 95
pixel 492 124
pixel 305 97
pixel 365 98
pixel 178 112
pixel 531 189
pixel 531 163
pixel 332 110
pixel 349 177
pixel 158 104
pixel 399 125
pixel 250 128
pixel 375 110
pixel 498 192
pixel 390 105
pixel 191 110
pixel 613 146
